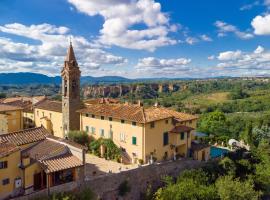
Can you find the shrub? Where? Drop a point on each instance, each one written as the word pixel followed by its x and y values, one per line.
pixel 80 137
pixel 85 194
pixel 112 151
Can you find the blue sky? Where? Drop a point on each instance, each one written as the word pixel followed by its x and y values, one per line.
pixel 137 38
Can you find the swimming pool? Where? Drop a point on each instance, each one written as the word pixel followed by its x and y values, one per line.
pixel 216 152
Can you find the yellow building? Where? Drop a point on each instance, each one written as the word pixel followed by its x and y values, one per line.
pixel 48 114
pixel 26 103
pixel 33 159
pixel 10 173
pixel 10 118
pixel 200 151
pixel 142 133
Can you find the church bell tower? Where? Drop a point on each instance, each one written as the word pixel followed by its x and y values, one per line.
pixel 70 93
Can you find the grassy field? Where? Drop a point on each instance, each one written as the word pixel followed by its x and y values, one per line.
pixel 204 100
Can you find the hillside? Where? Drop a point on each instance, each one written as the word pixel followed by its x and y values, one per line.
pixel 34 78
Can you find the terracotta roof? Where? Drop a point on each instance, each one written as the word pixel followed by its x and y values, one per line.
pixel 46 104
pixel 33 99
pixel 135 113
pixel 118 111
pixel 180 115
pixel 45 149
pixel 101 100
pixel 7 148
pixel 59 163
pixel 180 129
pixel 26 105
pixel 198 146
pixel 25 136
pixel 52 155
pixel 5 107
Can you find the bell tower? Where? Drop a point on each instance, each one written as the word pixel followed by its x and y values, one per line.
pixel 70 93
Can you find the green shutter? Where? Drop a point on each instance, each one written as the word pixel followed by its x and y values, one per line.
pixel 134 140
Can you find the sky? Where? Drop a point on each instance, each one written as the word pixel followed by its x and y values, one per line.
pixel 137 38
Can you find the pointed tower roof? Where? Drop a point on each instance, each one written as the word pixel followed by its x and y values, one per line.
pixel 70 54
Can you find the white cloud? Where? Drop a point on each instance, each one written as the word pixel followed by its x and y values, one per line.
pixel 230 55
pixel 261 25
pixel 47 56
pixel 120 17
pixel 225 28
pixel 245 63
pixel 212 57
pixel 259 50
pixel 250 6
pixel 163 67
pixel 206 38
pixel 191 40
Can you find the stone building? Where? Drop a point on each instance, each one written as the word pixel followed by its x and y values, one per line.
pixel 70 92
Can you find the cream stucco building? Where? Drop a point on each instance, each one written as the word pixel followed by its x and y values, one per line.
pixel 10 118
pixel 142 133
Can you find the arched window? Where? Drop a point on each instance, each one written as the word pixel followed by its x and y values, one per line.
pixel 65 87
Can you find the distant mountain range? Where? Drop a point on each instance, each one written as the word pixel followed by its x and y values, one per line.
pixel 34 78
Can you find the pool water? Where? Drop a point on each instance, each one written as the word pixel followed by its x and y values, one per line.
pixel 216 152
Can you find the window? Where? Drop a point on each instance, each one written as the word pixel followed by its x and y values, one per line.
pixel 65 88
pixel 188 134
pixel 182 136
pixel 165 138
pixel 42 114
pixel 102 117
pixel 101 132
pixel 86 115
pixel 152 124
pixel 50 115
pixel 3 164
pixel 110 118
pixel 134 140
pixel 87 129
pixel 93 116
pixel 122 121
pixel 166 121
pixel 133 123
pixel 5 181
pixel 190 122
pixel 122 137
pixel 37 113
pixel 93 130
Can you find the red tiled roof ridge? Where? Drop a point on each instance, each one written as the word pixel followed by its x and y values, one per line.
pixel 20 137
pixel 137 114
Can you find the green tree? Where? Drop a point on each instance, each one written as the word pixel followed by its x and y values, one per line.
pixel 228 166
pixel 229 188
pixel 80 137
pixel 213 123
pixel 191 185
pixel 2 95
pixel 238 93
pixel 262 173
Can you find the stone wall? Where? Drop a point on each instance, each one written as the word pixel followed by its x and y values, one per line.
pixel 139 179
pixel 106 186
